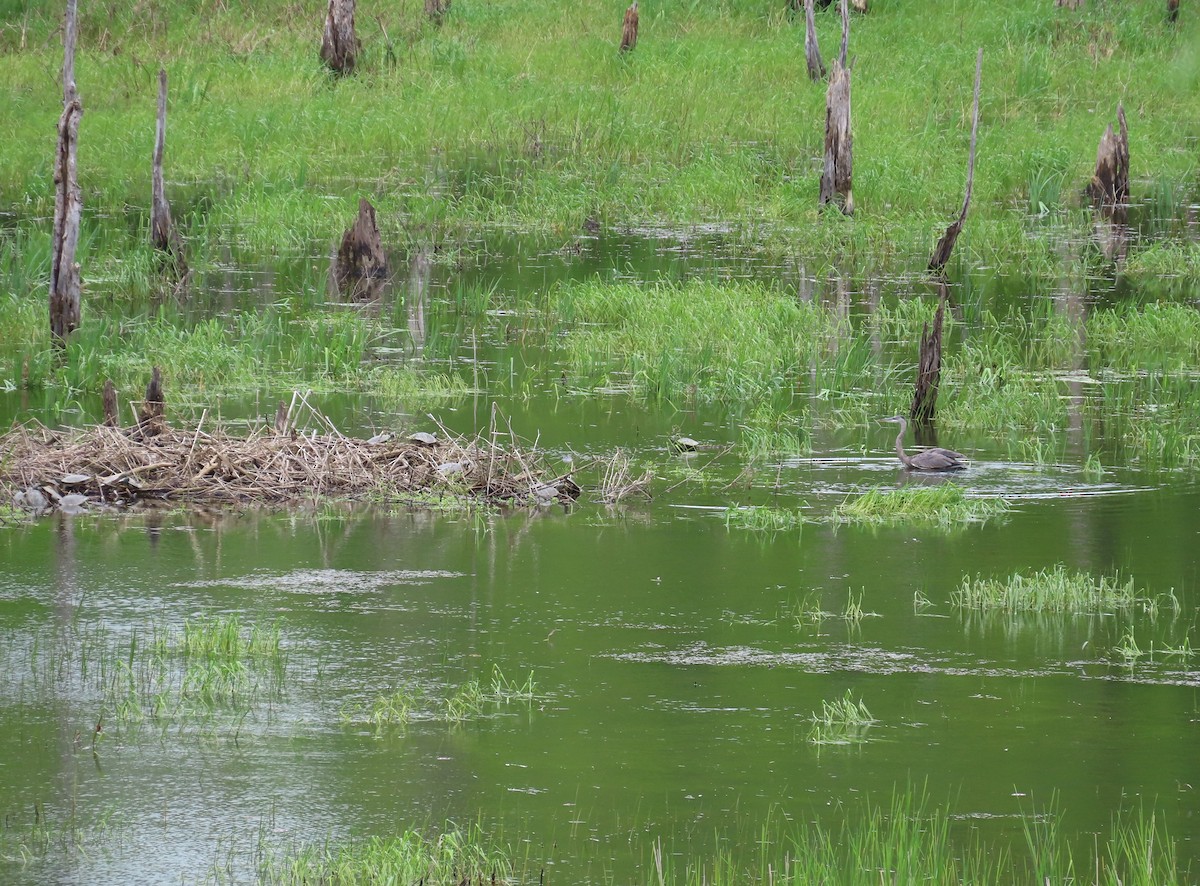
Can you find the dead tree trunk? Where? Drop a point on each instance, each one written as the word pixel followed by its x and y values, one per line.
pixel 68 199
pixel 929 366
pixel 1172 11
pixel 163 235
pixel 150 417
pixel 339 46
pixel 945 246
pixel 837 176
pixel 361 265
pixel 1109 188
pixel 812 52
pixel 436 10
pixel 112 414
pixel 629 28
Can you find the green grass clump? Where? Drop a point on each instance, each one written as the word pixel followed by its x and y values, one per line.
pixel 762 518
pixel 944 505
pixel 842 721
pixel 1049 590
pixel 452 857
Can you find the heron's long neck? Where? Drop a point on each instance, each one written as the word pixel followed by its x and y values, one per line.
pixel 900 444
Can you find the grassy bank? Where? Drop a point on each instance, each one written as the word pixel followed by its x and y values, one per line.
pixel 522 114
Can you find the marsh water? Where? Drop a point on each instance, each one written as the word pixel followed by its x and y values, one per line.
pixel 677 660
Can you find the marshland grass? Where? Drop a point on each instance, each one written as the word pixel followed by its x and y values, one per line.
pixel 471 700
pixel 1051 590
pixel 841 721
pixel 943 505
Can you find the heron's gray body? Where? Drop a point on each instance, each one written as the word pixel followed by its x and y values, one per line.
pixel 935 459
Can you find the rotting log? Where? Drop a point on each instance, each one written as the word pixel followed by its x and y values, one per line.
pixel 163 235
pixel 812 52
pixel 361 267
pixel 339 45
pixel 629 28
pixel 929 366
pixel 945 246
pixel 112 413
pixel 436 10
pixel 1109 188
pixel 150 416
pixel 838 172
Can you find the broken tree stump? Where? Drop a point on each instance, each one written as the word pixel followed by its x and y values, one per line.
pixel 361 267
pixel 150 416
pixel 1109 188
pixel 339 45
pixel 112 413
pixel 435 10
pixel 837 175
pixel 68 199
pixel 1172 11
pixel 945 246
pixel 163 235
pixel 629 28
pixel 812 52
pixel 929 367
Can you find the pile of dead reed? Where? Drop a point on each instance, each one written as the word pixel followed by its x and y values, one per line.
pixel 114 466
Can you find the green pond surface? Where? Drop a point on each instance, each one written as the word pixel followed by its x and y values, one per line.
pixel 677 660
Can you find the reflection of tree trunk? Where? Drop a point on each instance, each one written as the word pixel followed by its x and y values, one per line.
pixel 929 367
pixel 418 293
pixel 1070 302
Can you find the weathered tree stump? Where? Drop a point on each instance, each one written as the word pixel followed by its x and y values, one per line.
pixel 629 28
pixel 1109 188
pixel 163 235
pixel 929 367
pixel 68 203
pixel 812 52
pixel 837 175
pixel 361 267
pixel 150 416
pixel 945 246
pixel 1172 11
pixel 436 10
pixel 339 45
pixel 112 412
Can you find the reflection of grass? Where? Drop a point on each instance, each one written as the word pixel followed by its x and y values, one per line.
pixel 1050 590
pixel 943 505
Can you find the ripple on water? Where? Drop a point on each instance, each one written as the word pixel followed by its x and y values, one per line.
pixel 326 581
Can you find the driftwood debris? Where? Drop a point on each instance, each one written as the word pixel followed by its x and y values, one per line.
pixel 629 28
pixel 339 45
pixel 111 466
pixel 163 235
pixel 435 10
pixel 68 199
pixel 151 422
pixel 812 52
pixel 929 367
pixel 837 175
pixel 1109 188
pixel 112 412
pixel 945 246
pixel 361 267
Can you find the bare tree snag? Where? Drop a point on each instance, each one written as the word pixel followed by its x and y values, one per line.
pixel 1109 188
pixel 945 246
pixel 812 52
pixel 929 366
pixel 837 175
pixel 70 30
pixel 150 417
pixel 112 414
pixel 629 29
pixel 339 46
pixel 436 10
pixel 163 235
pixel 68 199
pixel 361 266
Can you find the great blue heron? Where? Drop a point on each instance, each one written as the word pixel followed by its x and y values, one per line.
pixel 936 459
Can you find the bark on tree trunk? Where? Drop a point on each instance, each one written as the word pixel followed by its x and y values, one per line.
pixel 929 366
pixel 112 413
pixel 945 246
pixel 68 199
pixel 150 417
pixel 163 235
pixel 837 176
pixel 339 46
pixel 361 266
pixel 629 28
pixel 436 10
pixel 1109 188
pixel 812 52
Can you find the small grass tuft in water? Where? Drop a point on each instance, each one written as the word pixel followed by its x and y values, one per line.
pixel 842 721
pixel 763 518
pixel 1050 590
pixel 943 505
